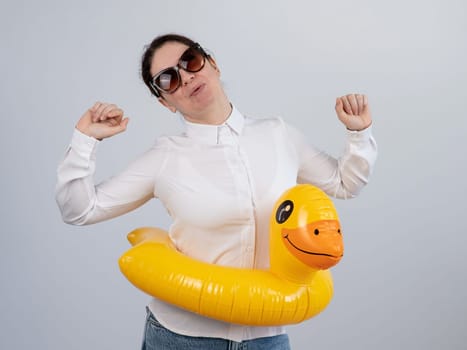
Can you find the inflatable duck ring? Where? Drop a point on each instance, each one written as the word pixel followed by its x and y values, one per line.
pixel 305 241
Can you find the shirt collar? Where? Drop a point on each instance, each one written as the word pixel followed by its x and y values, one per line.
pixel 209 133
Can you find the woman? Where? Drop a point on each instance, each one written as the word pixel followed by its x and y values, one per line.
pixel 218 180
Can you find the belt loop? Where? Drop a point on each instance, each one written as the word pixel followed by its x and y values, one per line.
pixel 233 345
pixel 148 313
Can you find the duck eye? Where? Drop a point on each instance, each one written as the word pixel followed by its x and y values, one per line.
pixel 284 211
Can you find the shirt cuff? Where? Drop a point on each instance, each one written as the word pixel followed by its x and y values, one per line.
pixel 360 136
pixel 83 144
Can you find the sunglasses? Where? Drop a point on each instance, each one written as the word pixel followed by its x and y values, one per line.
pixel 169 80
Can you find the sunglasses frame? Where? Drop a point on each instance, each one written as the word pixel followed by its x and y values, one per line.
pixel 158 91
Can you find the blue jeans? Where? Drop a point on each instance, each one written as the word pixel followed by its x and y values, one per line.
pixel 157 337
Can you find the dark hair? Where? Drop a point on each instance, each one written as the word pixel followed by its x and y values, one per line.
pixel 149 51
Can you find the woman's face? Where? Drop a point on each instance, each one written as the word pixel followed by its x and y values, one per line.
pixel 198 92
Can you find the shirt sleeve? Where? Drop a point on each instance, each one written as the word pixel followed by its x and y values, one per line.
pixel 343 177
pixel 82 202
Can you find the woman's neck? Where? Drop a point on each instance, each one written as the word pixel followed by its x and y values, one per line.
pixel 217 113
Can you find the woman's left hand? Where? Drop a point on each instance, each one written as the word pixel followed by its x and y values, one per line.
pixel 353 111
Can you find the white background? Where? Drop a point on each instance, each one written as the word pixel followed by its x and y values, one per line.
pixel 402 283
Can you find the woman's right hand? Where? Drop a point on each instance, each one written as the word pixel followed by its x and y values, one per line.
pixel 102 120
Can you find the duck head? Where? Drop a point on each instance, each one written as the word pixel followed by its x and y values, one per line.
pixel 306 233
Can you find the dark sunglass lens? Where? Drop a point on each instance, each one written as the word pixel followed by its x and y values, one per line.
pixel 167 80
pixel 192 60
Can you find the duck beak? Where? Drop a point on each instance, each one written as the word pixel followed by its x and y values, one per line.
pixel 318 244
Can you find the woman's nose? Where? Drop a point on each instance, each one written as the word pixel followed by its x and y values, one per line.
pixel 187 77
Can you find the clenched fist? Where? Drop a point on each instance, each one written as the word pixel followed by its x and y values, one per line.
pixel 102 120
pixel 353 111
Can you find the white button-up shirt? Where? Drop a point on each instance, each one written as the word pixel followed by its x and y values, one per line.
pixel 219 184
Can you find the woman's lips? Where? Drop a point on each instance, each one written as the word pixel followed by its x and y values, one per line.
pixel 197 90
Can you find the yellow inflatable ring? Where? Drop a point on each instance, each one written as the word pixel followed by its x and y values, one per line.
pixel 305 241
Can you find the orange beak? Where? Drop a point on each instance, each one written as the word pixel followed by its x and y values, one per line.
pixel 318 244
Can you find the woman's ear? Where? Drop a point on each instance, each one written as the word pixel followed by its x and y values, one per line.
pixel 212 61
pixel 167 105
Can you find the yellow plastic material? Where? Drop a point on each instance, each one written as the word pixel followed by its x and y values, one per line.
pixel 305 241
